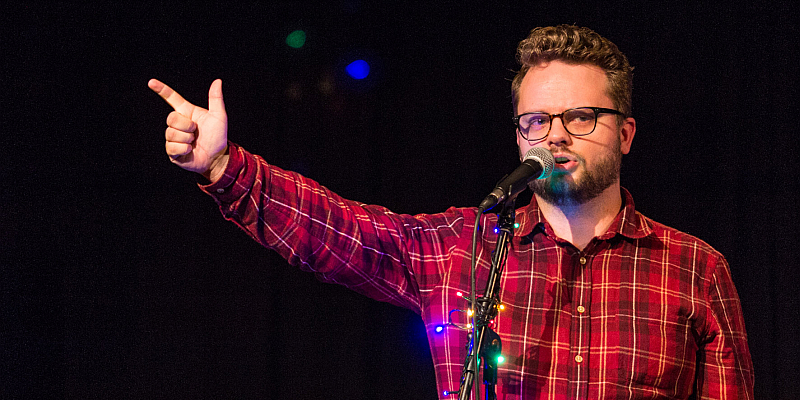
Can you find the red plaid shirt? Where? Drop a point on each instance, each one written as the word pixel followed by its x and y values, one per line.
pixel 643 312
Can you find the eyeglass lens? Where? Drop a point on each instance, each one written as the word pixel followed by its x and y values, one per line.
pixel 577 121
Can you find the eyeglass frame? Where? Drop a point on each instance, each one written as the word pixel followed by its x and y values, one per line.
pixel 597 112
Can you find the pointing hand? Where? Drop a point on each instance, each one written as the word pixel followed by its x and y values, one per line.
pixel 196 137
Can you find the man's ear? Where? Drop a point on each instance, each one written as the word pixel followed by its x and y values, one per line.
pixel 626 133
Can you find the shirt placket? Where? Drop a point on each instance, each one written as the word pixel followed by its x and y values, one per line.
pixel 579 332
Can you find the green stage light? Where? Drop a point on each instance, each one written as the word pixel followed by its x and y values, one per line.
pixel 296 39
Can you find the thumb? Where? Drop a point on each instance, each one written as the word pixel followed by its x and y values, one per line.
pixel 215 103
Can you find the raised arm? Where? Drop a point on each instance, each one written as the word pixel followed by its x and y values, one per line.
pixel 196 138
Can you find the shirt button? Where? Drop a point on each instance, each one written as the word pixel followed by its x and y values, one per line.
pixel 582 260
pixel 578 359
pixel 220 190
pixel 581 309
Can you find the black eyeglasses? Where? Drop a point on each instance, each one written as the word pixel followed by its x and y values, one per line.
pixel 579 121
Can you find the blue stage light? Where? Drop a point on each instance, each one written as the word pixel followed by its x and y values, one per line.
pixel 439 329
pixel 358 69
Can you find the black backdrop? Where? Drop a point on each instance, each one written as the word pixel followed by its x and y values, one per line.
pixel 121 280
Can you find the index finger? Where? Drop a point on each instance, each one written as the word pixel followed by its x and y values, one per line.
pixel 171 97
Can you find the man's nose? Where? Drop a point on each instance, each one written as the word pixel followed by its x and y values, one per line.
pixel 558 133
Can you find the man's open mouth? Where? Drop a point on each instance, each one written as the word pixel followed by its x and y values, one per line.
pixel 562 160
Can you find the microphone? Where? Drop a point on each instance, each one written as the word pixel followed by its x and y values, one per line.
pixel 538 164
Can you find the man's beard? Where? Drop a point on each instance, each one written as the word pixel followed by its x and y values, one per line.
pixel 562 190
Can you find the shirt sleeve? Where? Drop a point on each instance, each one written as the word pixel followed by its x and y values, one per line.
pixel 386 256
pixel 724 366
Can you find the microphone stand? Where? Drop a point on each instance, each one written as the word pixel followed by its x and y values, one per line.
pixel 483 340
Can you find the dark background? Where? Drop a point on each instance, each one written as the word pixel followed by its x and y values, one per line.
pixel 121 280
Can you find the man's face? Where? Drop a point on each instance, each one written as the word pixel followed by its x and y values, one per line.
pixel 585 165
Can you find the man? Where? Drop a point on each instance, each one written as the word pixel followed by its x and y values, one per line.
pixel 600 301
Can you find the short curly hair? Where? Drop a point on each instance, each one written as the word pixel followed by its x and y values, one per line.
pixel 576 45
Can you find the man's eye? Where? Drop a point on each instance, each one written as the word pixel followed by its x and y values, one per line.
pixel 537 121
pixel 580 117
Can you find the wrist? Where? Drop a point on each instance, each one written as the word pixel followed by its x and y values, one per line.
pixel 217 167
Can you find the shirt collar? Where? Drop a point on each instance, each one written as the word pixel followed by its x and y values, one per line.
pixel 628 222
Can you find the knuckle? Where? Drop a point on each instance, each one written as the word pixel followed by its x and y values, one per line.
pixel 172 118
pixel 178 136
pixel 180 122
pixel 176 149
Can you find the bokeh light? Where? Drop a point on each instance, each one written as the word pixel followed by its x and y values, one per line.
pixel 358 69
pixel 296 39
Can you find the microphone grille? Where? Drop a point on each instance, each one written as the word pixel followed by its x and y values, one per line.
pixel 543 157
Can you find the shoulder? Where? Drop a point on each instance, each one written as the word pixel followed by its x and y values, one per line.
pixel 688 247
pixel 462 217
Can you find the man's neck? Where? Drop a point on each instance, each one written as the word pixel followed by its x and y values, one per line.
pixel 580 223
